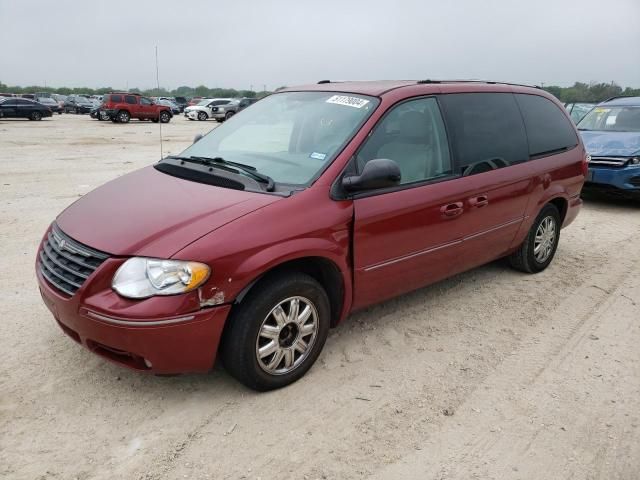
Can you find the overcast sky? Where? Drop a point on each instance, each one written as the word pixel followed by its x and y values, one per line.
pixel 240 43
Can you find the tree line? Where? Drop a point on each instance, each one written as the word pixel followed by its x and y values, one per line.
pixel 578 92
pixel 183 91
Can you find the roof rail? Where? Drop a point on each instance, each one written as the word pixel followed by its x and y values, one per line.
pixel 490 82
pixel 324 81
pixel 618 96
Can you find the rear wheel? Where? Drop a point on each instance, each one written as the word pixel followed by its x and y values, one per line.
pixel 228 115
pixel 538 249
pixel 276 334
pixel 202 116
pixel 35 116
pixel 165 116
pixel 123 116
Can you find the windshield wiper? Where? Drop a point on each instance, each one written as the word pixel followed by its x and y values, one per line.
pixel 219 161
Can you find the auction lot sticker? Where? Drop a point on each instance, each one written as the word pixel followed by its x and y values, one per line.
pixel 348 101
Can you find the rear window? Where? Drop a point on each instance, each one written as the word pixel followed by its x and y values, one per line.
pixel 548 129
pixel 485 127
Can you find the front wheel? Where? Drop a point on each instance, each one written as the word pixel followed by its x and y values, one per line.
pixel 276 334
pixel 202 116
pixel 36 116
pixel 538 249
pixel 165 117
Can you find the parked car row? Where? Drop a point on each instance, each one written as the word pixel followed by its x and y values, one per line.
pixel 219 109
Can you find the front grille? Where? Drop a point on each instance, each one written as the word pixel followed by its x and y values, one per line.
pixel 614 162
pixel 65 263
pixel 635 181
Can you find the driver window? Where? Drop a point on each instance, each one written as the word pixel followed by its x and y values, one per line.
pixel 412 134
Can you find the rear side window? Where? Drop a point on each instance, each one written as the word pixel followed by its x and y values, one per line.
pixel 548 129
pixel 486 131
pixel 116 98
pixel 130 99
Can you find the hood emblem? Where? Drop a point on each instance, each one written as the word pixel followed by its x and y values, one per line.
pixel 61 243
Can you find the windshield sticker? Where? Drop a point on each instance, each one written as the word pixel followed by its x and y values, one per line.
pixel 348 101
pixel 318 156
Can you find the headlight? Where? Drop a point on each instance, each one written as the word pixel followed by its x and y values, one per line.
pixel 634 161
pixel 146 277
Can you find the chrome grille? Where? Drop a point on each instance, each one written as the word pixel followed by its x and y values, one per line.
pixel 609 161
pixel 65 263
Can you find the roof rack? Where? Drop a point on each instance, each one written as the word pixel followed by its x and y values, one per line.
pixel 490 82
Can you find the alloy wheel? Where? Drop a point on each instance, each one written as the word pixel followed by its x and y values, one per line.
pixel 287 335
pixel 545 239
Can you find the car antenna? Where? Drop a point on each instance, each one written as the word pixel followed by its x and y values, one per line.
pixel 158 84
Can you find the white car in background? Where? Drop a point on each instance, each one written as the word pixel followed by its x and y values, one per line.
pixel 207 108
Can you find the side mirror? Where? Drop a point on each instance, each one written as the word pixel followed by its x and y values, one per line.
pixel 197 137
pixel 377 173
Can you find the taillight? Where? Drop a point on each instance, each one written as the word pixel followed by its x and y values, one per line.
pixel 585 164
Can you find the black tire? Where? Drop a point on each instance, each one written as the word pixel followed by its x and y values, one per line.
pixel 76 111
pixel 154 120
pixel 239 342
pixel 524 259
pixel 35 116
pixel 123 116
pixel 165 117
pixel 202 116
pixel 229 115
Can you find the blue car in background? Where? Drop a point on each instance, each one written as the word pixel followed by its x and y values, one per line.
pixel 611 135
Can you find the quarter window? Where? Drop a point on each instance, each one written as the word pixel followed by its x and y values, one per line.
pixel 412 134
pixel 548 129
pixel 486 129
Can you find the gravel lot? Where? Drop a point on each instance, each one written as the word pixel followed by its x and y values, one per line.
pixel 492 374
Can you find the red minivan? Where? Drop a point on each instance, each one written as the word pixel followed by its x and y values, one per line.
pixel 312 203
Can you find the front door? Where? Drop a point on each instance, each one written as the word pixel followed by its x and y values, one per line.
pixel 147 108
pixel 411 235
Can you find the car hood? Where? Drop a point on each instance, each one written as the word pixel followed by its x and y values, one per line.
pixel 196 109
pixel 624 144
pixel 149 213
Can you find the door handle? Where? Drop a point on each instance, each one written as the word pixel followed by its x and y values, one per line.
pixel 479 201
pixel 452 210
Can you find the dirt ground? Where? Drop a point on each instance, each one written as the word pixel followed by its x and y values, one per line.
pixel 492 374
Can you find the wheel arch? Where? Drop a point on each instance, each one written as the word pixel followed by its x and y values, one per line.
pixel 322 269
pixel 562 204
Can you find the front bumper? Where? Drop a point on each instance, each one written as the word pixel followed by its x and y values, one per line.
pixel 163 335
pixel 626 179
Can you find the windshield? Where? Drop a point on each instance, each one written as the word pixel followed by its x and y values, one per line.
pixel 613 119
pixel 203 103
pixel 47 101
pixel 289 136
